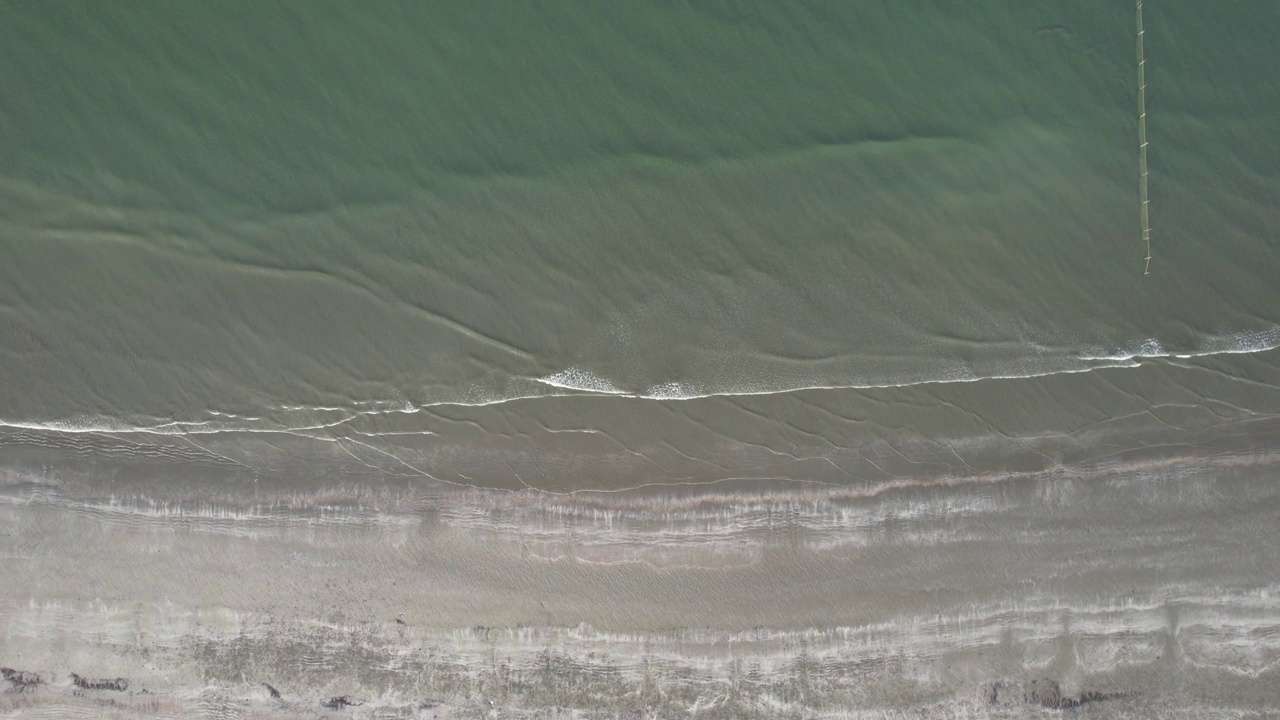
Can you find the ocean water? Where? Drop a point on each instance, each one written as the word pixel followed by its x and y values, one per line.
pixel 642 360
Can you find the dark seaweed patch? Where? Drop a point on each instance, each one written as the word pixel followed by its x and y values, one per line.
pixel 118 684
pixel 22 681
pixel 1045 693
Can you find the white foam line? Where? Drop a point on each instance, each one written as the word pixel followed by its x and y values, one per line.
pixel 881 386
pixel 1253 342
pixel 586 384
pixel 63 426
pixel 181 428
pixel 108 426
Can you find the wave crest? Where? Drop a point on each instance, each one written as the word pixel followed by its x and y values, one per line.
pixel 578 379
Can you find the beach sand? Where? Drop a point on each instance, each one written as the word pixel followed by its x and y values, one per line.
pixel 1139 580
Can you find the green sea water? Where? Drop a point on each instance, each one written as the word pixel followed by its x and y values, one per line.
pixel 238 207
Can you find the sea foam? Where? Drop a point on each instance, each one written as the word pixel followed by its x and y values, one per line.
pixel 1251 341
pixel 578 379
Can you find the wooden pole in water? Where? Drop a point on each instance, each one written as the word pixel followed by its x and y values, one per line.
pixel 1142 143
